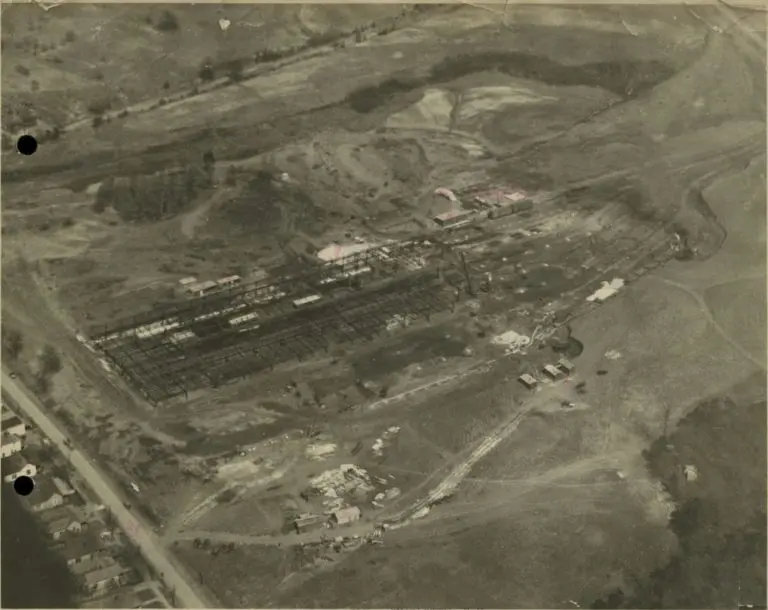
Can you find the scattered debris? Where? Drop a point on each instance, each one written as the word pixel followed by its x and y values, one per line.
pixel 514 342
pixel 347 515
pixel 346 478
pixel 379 443
pixel 320 451
pixel 392 493
pixel 607 290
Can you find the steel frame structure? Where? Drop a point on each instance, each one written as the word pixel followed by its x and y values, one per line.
pixel 160 369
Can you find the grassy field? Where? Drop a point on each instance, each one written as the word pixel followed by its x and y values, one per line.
pixel 571 506
pixel 57 70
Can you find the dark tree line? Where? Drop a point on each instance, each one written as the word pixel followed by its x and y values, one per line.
pixel 155 196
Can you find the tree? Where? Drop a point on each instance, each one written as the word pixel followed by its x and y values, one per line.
pixel 50 362
pixel 206 72
pixel 41 383
pixel 235 70
pixel 13 343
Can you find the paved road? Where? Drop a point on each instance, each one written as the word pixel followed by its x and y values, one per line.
pixel 139 533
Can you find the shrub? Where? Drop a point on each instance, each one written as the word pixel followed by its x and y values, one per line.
pixel 235 70
pixel 167 22
pixel 206 72
pixel 22 70
pixel 13 342
pixel 50 362
pixel 70 36
pixel 99 106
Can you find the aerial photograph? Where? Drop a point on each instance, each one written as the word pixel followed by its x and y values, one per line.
pixel 383 305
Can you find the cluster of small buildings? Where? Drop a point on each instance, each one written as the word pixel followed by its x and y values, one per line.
pixel 76 533
pixel 344 516
pixel 563 368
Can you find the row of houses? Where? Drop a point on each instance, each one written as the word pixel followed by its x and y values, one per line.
pixel 563 367
pixel 78 534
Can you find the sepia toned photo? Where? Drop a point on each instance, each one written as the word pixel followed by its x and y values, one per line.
pixel 383 305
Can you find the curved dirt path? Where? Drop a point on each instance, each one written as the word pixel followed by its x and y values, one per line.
pixel 705 311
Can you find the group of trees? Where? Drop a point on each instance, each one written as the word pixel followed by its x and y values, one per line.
pixel 48 360
pixel 13 343
pixel 719 522
pixel 156 196
pixel 49 363
pixel 233 69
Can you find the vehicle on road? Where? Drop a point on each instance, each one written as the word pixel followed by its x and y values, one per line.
pixel 135 487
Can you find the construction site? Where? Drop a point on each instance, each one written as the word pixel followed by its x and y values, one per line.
pixel 345 286
pixel 222 331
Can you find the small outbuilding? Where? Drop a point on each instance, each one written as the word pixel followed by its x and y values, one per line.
pixel 552 371
pixel 306 523
pixel 528 381
pixel 566 366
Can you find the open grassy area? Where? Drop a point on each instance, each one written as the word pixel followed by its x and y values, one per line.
pixel 626 124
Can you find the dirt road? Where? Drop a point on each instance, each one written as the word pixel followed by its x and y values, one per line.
pixel 138 532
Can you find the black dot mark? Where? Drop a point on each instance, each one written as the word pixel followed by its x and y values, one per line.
pixel 23 485
pixel 26 145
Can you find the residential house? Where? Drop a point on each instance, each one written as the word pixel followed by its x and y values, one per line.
pixel 62 519
pixel 10 444
pixel 346 515
pixel 92 564
pixel 76 548
pixel 14 425
pixel 15 466
pixel 551 371
pixel 102 579
pixel 45 496
pixel 56 529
